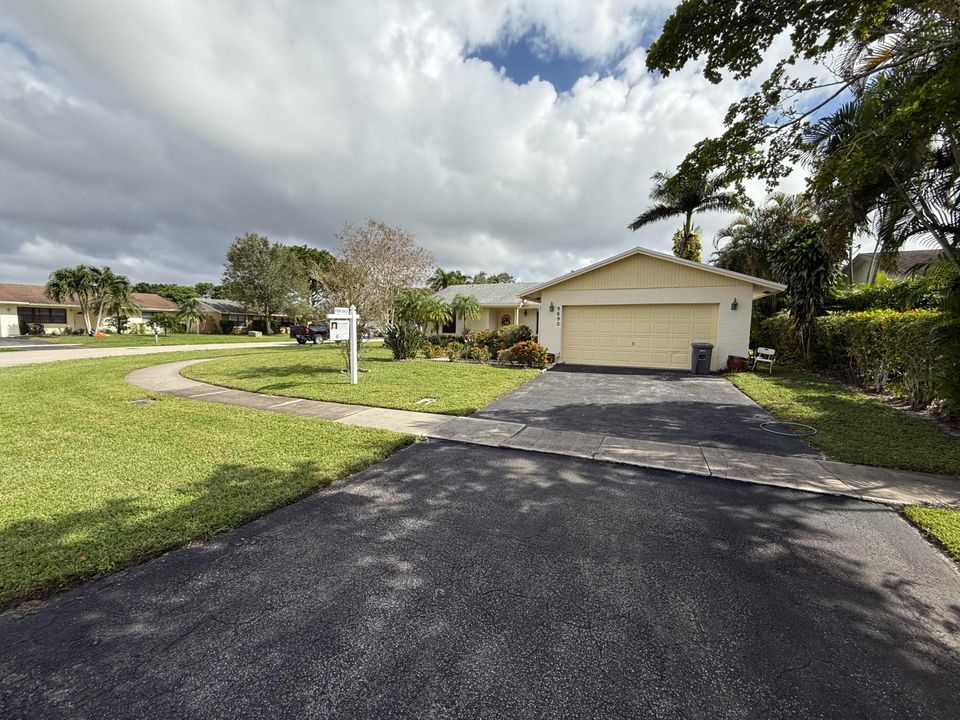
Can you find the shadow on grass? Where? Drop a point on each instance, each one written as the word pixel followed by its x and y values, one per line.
pixel 517 577
pixel 123 532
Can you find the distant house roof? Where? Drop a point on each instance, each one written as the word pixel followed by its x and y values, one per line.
pixel 490 294
pixel 906 260
pixel 229 307
pixel 34 295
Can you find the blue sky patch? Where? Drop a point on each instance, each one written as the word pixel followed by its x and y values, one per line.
pixel 526 58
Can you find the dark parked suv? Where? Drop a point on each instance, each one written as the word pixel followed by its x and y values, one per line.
pixel 314 332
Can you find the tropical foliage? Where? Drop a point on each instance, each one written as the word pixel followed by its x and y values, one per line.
pixel 77 284
pixel 887 159
pixel 191 313
pixel 801 261
pixel 445 278
pixel 465 306
pixel 682 196
pixel 403 339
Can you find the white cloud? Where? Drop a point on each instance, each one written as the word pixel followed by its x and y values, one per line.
pixel 159 130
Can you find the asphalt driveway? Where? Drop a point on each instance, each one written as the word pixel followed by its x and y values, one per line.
pixel 659 405
pixel 455 581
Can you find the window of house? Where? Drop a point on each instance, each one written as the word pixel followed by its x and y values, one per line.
pixel 449 329
pixel 41 315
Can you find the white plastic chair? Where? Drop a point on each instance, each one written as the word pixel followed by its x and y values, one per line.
pixel 764 355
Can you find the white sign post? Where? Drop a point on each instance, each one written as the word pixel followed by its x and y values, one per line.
pixel 353 345
pixel 343 326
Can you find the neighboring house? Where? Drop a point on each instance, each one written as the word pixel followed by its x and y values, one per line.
pixel 897 266
pixel 222 310
pixel 643 309
pixel 500 304
pixel 25 305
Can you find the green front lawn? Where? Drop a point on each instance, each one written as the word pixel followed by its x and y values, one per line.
pixel 314 372
pixel 852 426
pixel 172 339
pixel 91 483
pixel 941 524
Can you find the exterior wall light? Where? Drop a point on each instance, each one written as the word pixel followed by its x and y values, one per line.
pixel 551 307
pixel 734 305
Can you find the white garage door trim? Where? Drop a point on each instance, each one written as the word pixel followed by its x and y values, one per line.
pixel 647 336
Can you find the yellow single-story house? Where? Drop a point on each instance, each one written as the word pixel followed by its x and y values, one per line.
pixel 501 304
pixel 644 309
pixel 219 310
pixel 24 305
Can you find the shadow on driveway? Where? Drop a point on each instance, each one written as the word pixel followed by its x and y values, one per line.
pixel 658 405
pixel 455 581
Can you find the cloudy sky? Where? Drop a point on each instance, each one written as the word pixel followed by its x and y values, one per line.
pixel 514 136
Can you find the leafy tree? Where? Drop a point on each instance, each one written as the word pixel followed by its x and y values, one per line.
pixel 74 284
pixel 266 276
pixel 164 322
pixel 445 278
pixel 682 196
pixel 802 262
pixel 170 291
pixel 190 312
pixel 375 264
pixel 889 152
pixel 482 278
pixel 207 290
pixel 315 262
pixel 465 306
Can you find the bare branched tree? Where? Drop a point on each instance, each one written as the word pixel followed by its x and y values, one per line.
pixel 376 262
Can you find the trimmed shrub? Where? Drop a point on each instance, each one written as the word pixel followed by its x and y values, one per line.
pixel 505 357
pixel 403 340
pixel 226 327
pixel 510 335
pixel 528 353
pixel 480 352
pixel 431 351
pixel 454 350
pixel 876 349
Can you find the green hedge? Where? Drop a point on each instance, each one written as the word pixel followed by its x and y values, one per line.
pixel 878 349
pixel 909 294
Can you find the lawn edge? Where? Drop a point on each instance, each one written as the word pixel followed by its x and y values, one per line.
pixel 47 591
pixel 426 408
pixel 953 558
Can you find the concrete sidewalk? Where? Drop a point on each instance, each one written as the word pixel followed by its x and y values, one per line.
pixel 892 487
pixel 85 352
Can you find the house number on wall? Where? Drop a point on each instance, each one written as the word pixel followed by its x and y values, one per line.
pixel 558 316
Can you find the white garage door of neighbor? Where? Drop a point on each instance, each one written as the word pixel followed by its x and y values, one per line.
pixel 653 336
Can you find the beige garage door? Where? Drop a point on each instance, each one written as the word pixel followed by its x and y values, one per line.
pixel 654 336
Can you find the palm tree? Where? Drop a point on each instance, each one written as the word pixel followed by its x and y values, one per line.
pixel 745 244
pixel 445 278
pixel 678 195
pixel 465 306
pixel 436 311
pixel 191 311
pixel 77 284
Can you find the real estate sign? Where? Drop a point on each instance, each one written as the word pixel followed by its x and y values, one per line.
pixel 340 329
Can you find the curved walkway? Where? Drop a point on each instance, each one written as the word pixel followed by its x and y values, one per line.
pixel 893 487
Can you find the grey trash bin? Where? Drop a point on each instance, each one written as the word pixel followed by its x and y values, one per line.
pixel 701 355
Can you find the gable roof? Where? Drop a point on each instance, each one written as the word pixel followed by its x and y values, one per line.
pixel 490 294
pixel 17 294
pixel 225 306
pixel 767 287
